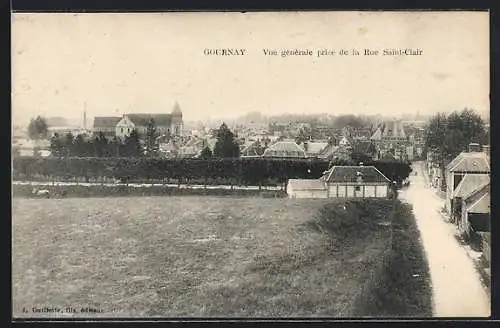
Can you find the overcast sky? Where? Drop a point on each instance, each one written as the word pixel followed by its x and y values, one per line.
pixel 122 63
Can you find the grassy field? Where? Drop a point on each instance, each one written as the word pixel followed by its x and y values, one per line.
pixel 191 256
pixel 404 288
pixel 65 191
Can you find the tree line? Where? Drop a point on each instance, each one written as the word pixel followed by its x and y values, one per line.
pixel 135 145
pixel 242 171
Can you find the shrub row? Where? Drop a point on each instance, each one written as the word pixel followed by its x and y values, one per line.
pixel 244 171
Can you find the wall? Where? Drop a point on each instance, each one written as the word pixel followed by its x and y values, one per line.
pixel 124 127
pixel 305 193
pixel 367 191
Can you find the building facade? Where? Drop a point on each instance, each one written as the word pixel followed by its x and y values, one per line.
pixel 165 124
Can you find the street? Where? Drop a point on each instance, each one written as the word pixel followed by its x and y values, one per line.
pixel 456 286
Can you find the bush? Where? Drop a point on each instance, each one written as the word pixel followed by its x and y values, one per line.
pixel 356 216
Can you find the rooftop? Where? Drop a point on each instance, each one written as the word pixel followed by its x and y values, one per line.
pixel 306 184
pixel 469 183
pixel 106 121
pixel 368 174
pixel 470 162
pixel 143 119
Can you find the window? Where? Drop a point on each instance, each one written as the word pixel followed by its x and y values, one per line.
pixel 357 188
pixel 122 130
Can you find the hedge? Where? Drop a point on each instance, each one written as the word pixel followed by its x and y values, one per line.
pixel 243 171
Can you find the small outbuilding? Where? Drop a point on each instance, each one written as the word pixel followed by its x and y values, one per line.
pixel 342 182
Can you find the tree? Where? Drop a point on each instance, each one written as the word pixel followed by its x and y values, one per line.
pixel 80 147
pixel 448 136
pixel 101 146
pixel 151 140
pixel 132 146
pixel 226 145
pixel 348 120
pixel 115 146
pixel 38 129
pixel 68 148
pixel 206 153
pixel 56 145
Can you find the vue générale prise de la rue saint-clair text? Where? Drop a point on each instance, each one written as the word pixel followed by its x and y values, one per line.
pixel 319 52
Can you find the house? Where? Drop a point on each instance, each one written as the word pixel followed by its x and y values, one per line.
pixel 285 149
pixel 166 124
pixel 105 125
pixel 475 208
pixel 356 181
pixel 474 161
pixel 340 182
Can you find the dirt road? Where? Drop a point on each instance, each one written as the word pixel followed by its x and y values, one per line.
pixel 456 286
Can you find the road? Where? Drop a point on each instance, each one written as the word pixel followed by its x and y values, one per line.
pixel 456 286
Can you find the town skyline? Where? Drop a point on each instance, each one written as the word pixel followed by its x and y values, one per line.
pixel 120 63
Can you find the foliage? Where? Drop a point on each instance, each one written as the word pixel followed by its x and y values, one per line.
pixel 246 171
pixel 344 219
pixel 56 145
pixel 226 145
pixel 132 146
pixel 206 153
pixel 151 140
pixel 349 121
pixel 358 157
pixel 38 129
pixel 449 135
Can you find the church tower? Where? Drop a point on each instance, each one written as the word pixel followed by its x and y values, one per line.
pixel 176 123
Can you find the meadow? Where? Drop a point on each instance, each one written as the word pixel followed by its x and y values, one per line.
pixel 197 256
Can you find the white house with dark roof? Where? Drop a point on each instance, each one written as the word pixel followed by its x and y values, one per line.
pixel 342 182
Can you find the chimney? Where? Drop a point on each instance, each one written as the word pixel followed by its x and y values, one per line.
pixel 474 147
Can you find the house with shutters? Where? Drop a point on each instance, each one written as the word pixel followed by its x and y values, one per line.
pixel 342 182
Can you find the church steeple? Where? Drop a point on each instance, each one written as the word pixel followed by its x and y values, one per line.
pixel 177 109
